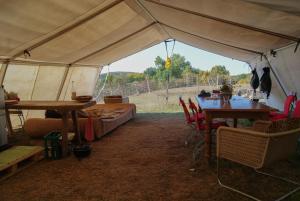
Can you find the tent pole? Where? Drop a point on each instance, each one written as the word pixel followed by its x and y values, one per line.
pixel 96 80
pixel 34 84
pixel 292 38
pixel 151 16
pixel 63 81
pixel 275 75
pixel 44 63
pixel 3 71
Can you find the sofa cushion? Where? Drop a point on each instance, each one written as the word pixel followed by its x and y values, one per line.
pixel 39 127
pixel 119 112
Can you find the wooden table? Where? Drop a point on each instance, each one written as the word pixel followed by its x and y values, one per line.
pixel 238 107
pixel 64 107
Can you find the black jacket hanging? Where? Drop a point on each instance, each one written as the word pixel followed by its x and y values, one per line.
pixel 265 82
pixel 254 82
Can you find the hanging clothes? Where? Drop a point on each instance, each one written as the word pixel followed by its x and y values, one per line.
pixel 254 82
pixel 266 82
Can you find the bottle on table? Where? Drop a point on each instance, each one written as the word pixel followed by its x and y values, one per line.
pixel 73 91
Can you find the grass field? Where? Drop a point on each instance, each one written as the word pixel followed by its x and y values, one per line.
pixel 155 102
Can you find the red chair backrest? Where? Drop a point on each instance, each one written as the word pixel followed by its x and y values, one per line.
pixel 287 104
pixel 186 111
pixel 195 110
pixel 296 113
pixel 193 107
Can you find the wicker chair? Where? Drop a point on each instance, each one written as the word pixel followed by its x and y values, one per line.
pixel 258 147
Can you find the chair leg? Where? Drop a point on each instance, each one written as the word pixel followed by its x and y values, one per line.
pixel 198 148
pixel 259 172
pixel 229 187
pixel 282 179
pixel 190 135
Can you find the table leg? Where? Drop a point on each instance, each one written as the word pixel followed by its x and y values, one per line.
pixel 75 126
pixel 265 116
pixel 8 122
pixel 64 133
pixel 235 122
pixel 208 121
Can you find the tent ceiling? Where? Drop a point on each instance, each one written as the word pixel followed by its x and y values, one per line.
pixel 210 45
pixel 24 21
pixel 97 32
pixel 291 6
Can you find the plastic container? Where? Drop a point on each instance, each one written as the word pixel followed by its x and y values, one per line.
pixel 53 145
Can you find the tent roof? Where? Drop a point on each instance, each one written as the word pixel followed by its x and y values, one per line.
pixel 98 32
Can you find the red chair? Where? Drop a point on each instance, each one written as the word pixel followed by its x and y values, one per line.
pixel 190 120
pixel 200 126
pixel 296 113
pixel 196 111
pixel 287 104
pixel 200 117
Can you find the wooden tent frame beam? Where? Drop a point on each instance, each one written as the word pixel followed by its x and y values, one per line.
pixel 3 71
pixel 291 38
pixel 151 16
pixel 44 63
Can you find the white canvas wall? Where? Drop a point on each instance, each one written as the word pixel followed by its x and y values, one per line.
pixel 36 82
pixel 84 81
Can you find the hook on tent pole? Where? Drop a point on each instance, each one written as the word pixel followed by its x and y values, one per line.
pixel 166 45
pixel 297 45
pixel 273 53
pixel 26 54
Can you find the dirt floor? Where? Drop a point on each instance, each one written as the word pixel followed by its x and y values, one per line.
pixel 143 160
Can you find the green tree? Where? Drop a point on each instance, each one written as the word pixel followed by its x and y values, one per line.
pixel 150 72
pixel 178 65
pixel 219 70
pixel 204 77
pixel 159 63
pixel 132 77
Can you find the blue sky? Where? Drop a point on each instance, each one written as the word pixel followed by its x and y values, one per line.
pixel 198 58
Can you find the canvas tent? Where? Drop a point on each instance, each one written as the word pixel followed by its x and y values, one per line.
pixel 45 45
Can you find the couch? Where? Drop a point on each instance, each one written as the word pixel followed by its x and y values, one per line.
pixel 105 118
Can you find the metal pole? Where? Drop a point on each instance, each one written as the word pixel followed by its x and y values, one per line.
pixel 167 91
pixel 3 71
pixel 63 81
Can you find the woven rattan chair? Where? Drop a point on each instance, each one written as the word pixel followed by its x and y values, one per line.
pixel 256 148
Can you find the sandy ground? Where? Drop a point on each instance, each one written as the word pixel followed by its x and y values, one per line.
pixel 143 160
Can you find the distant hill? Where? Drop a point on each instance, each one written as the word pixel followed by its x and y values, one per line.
pixel 119 74
pixel 134 76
